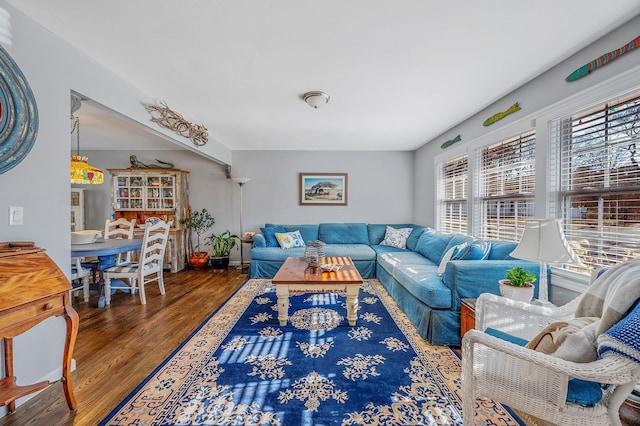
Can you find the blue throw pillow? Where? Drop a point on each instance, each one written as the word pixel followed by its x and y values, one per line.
pixel 501 250
pixel 432 245
pixel 476 250
pixel 269 233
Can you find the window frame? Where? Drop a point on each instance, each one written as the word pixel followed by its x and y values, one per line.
pixel 500 162
pixel 450 186
pixel 582 176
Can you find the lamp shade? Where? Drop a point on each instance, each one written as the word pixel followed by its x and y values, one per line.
pixel 81 172
pixel 84 174
pixel 543 240
pixel 241 180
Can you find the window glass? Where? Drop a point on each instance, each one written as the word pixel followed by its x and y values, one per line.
pixel 453 180
pixel 598 176
pixel 506 187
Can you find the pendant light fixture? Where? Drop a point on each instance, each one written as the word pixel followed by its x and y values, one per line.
pixel 81 172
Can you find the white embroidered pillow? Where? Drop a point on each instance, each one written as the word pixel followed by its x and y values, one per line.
pixel 290 239
pixel 446 258
pixel 396 237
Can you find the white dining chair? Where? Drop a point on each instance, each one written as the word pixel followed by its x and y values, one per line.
pixel 120 228
pixel 149 267
pixel 80 274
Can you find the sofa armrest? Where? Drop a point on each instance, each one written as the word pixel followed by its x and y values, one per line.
pixel 471 278
pixel 259 240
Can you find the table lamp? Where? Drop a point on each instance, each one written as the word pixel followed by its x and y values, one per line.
pixel 544 241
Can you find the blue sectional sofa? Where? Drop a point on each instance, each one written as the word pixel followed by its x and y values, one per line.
pixel 411 275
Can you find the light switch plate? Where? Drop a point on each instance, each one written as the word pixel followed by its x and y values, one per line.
pixel 16 216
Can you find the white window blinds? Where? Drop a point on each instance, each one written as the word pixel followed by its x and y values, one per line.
pixel 453 179
pixel 597 172
pixel 506 187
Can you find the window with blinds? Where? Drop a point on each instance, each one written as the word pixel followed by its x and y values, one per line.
pixel 452 179
pixel 598 176
pixel 506 186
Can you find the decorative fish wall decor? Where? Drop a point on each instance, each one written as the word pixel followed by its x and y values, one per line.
pixel 450 142
pixel 499 116
pixel 603 60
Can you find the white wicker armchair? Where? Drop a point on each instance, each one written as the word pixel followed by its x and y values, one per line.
pixel 531 381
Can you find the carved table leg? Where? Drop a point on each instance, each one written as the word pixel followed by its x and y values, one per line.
pixel 71 319
pixel 352 303
pixel 8 367
pixel 282 291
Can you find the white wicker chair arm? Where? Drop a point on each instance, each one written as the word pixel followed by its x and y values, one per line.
pixel 610 370
pixel 531 381
pixel 520 319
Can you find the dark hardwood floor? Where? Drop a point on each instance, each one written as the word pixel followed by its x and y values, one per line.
pixel 118 346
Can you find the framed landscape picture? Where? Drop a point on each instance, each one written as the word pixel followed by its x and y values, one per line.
pixel 323 189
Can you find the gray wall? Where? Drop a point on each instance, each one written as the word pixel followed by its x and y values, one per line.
pixel 40 183
pixel 380 186
pixel 208 186
pixel 542 100
pixel 535 97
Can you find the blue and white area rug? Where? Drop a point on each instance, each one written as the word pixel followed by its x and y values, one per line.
pixel 242 368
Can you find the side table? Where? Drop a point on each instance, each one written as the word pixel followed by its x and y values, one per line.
pixel 243 241
pixel 467 315
pixel 32 289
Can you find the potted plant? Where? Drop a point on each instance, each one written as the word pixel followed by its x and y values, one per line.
pixel 198 222
pixel 518 284
pixel 221 246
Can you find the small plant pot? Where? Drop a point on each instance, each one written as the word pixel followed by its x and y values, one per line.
pixel 219 264
pixel 523 294
pixel 199 260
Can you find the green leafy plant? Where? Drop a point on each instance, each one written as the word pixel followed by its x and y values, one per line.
pixel 222 244
pixel 199 222
pixel 518 276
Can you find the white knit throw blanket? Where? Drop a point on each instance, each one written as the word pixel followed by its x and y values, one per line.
pixel 608 297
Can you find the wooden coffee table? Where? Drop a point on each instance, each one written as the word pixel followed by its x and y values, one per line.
pixel 296 277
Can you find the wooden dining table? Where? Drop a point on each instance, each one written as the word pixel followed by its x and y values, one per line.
pixel 106 250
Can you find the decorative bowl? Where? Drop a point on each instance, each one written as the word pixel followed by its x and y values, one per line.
pixel 84 237
pixel 330 267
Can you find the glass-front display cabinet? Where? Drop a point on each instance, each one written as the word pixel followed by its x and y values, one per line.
pixel 144 193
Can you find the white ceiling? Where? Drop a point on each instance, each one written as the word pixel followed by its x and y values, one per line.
pixel 399 73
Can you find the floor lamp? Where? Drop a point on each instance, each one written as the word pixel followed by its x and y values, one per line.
pixel 241 181
pixel 544 241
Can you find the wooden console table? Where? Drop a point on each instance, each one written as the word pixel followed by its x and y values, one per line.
pixel 32 289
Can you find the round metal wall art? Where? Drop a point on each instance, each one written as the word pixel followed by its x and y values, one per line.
pixel 18 114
